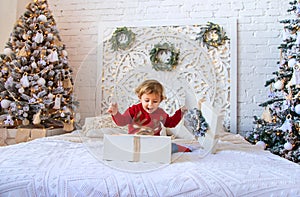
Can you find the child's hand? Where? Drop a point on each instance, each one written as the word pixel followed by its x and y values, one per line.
pixel 113 109
pixel 183 109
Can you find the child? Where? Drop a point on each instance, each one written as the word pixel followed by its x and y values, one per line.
pixel 146 116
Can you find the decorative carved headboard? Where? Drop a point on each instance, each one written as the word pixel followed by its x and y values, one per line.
pixel 200 72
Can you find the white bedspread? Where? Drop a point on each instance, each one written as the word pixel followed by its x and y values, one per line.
pixel 60 167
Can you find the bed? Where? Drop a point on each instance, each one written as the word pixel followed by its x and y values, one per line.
pixel 64 166
pixel 72 164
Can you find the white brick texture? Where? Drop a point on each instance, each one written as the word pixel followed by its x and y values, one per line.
pixel 258 38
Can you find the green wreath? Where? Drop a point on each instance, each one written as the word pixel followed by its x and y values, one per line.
pixel 122 38
pixel 212 35
pixel 164 57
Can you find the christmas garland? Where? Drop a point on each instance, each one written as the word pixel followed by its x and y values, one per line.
pixel 122 38
pixel 212 35
pixel 195 122
pixel 164 57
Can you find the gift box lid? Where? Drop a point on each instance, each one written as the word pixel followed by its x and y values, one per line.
pixel 214 119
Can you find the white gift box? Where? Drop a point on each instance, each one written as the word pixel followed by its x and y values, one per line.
pixel 14 136
pixel 214 120
pixel 137 148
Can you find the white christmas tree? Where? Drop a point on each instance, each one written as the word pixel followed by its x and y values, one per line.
pixel 278 129
pixel 36 85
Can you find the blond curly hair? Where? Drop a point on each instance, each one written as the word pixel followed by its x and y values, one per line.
pixel 151 86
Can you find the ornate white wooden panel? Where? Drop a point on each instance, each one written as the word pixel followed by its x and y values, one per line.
pixel 201 72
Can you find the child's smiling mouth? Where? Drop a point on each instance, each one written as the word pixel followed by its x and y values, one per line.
pixel 150 110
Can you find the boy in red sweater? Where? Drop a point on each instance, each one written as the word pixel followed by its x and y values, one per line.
pixel 146 116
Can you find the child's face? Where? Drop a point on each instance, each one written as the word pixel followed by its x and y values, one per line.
pixel 150 102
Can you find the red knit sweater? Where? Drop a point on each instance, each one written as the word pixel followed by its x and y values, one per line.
pixel 138 119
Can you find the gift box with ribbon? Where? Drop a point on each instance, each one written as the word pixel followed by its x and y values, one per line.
pixel 14 136
pixel 137 148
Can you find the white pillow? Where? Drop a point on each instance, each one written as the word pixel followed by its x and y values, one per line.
pixel 180 131
pixel 96 122
pixel 99 133
pixel 99 125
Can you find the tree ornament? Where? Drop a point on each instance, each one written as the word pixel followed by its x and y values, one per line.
pixel 13 106
pixel 9 121
pixel 297 42
pixel 24 80
pixel 9 82
pixel 297 109
pixel 36 118
pixel 35 53
pixel 57 102
pixel 50 83
pixel 287 125
pixel 25 122
pixel 59 83
pixel 278 85
pixel 50 37
pixel 42 62
pixel 288 146
pixel 295 80
pixel 53 57
pixel 21 90
pixel 50 96
pixel 51 73
pixel 33 65
pixel 22 52
pixel 7 51
pixel 64 53
pixel 42 18
pixel 35 77
pixel 5 103
pixel 39 37
pixel 298 9
pixel 41 81
pixel 261 144
pixel 25 114
pixel 266 115
pixel 67 83
pixel 25 36
pixel 24 60
pixel 26 108
pixel 68 126
pixel 292 62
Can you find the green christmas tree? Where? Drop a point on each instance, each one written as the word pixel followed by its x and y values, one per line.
pixel 36 85
pixel 278 129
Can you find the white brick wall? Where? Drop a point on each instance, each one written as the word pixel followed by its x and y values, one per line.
pixel 258 38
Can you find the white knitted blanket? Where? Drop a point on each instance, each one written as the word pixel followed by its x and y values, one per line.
pixel 71 165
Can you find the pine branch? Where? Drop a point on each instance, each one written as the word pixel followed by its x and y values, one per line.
pixel 270 102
